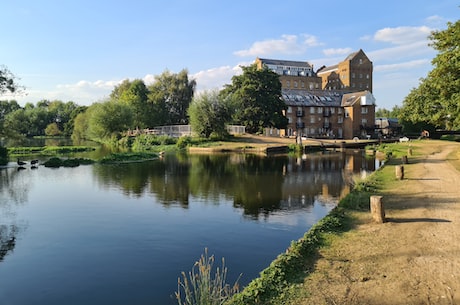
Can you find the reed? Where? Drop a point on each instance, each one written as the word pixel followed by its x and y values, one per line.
pixel 198 287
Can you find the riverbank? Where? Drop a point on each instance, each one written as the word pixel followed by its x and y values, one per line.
pixel 413 258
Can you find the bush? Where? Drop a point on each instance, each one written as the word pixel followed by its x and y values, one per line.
pixel 183 142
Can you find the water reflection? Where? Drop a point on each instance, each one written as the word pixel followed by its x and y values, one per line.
pixel 257 185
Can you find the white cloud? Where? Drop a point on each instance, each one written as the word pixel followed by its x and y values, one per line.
pixel 216 78
pixel 340 51
pixel 403 35
pixel 401 66
pixel 286 45
pixel 398 52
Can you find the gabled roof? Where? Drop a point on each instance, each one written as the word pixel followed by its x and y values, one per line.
pixel 352 55
pixel 365 98
pixel 328 69
pixel 279 62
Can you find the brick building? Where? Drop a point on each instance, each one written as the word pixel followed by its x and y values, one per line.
pixel 334 102
pixel 354 73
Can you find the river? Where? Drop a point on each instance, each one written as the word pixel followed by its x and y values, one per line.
pixel 122 234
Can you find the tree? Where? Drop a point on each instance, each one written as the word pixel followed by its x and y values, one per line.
pixel 108 119
pixel 170 96
pixel 52 130
pixel 256 95
pixel 209 113
pixel 436 101
pixel 6 107
pixel 8 81
pixel 134 94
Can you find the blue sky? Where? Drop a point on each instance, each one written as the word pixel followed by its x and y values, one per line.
pixel 79 50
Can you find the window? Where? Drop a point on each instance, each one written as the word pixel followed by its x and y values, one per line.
pixel 352 75
pixel 347 114
pixel 320 109
pixel 364 110
pixel 364 122
pixel 312 110
pixel 360 75
pixel 289 110
pixel 360 61
pixel 332 110
pixel 288 84
pixel 340 120
pixel 289 119
pixel 312 131
pixel 367 76
pixel 295 84
pixel 312 120
pixel 339 110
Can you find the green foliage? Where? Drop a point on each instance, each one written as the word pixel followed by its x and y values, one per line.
pixel 8 81
pixel 71 162
pixel 52 129
pixel 3 155
pixel 107 119
pixel 199 287
pixel 183 142
pixel 150 142
pixel 170 96
pixel 256 98
pixel 436 101
pixel 209 114
pixel 47 150
pixel 128 157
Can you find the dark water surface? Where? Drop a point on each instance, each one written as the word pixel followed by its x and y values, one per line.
pixel 121 234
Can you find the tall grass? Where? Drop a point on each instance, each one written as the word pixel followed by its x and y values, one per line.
pixel 198 287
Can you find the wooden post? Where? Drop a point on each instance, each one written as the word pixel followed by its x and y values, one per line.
pixel 377 209
pixel 409 151
pixel 404 160
pixel 399 171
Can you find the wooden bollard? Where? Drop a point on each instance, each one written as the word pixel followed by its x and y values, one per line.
pixel 404 160
pixel 377 209
pixel 409 151
pixel 399 171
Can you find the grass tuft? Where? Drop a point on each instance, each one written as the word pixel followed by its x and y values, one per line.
pixel 198 287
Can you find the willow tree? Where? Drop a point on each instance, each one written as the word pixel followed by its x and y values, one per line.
pixel 436 101
pixel 256 96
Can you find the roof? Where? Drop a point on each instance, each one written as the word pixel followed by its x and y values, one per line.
pixel 350 57
pixel 363 97
pixel 328 69
pixel 279 62
pixel 307 98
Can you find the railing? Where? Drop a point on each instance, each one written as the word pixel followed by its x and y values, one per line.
pixel 177 131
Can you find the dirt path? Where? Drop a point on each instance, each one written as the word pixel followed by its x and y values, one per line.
pixel 414 258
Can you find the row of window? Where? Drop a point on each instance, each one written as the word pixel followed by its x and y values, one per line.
pixel 320 110
pixel 313 120
pixel 326 121
pixel 311 85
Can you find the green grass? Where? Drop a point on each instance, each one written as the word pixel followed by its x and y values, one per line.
pixel 47 150
pixel 128 157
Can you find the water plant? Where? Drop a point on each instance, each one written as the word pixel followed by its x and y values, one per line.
pixel 198 287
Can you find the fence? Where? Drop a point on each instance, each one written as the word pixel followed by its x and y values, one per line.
pixel 177 131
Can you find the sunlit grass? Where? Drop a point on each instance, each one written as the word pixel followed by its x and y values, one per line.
pixel 198 287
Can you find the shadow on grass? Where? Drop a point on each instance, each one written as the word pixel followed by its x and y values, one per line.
pixel 409 220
